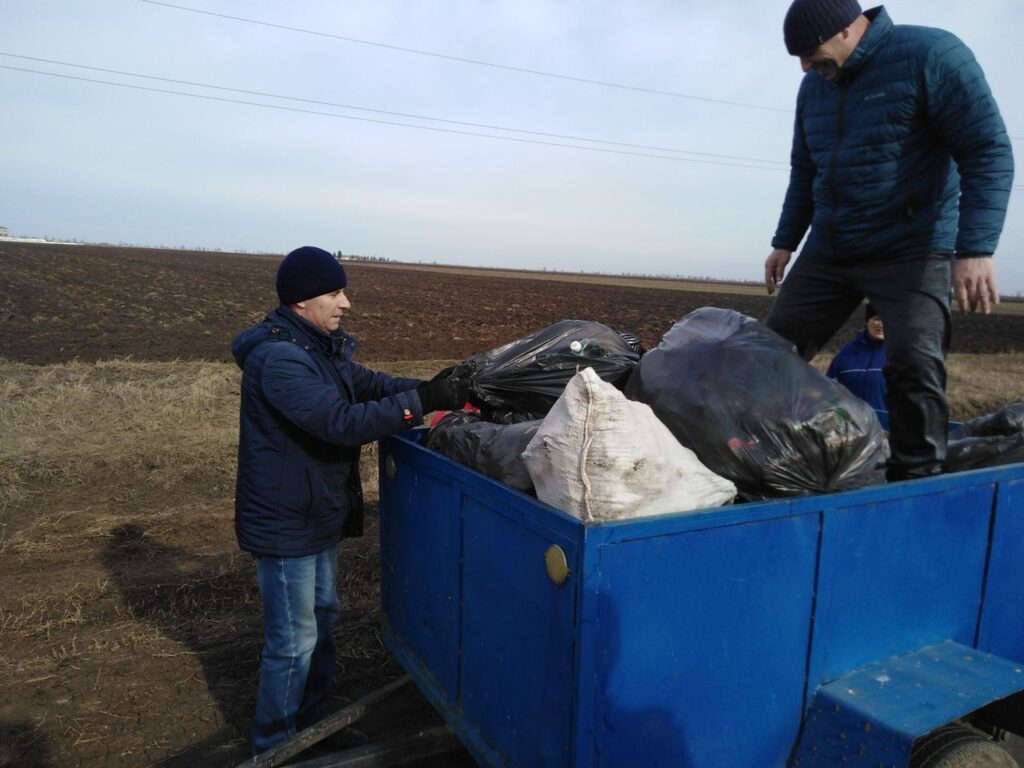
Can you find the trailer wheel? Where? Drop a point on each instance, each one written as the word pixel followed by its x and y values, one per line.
pixel 957 746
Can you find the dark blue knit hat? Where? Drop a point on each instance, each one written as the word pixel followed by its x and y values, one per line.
pixel 809 23
pixel 307 272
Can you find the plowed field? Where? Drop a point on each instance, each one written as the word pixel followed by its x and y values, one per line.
pixel 93 303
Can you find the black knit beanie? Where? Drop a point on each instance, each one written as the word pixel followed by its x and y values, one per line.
pixel 869 312
pixel 809 23
pixel 307 272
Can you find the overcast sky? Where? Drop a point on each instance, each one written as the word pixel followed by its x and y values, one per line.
pixel 697 194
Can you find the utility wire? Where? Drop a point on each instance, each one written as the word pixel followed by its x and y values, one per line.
pixel 390 122
pixel 525 70
pixel 509 67
pixel 395 114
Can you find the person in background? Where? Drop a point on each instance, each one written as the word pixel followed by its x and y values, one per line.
pixel 306 408
pixel 858 365
pixel 900 177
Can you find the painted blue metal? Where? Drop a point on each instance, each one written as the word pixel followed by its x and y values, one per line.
pixel 714 618
pixel 421 573
pixel 451 539
pixel 898 575
pixel 685 640
pixel 517 643
pixel 1001 629
pixel 871 716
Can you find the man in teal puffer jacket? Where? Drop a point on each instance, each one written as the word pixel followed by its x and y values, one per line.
pixel 901 169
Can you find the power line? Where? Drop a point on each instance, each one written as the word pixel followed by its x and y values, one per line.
pixel 478 62
pixel 389 122
pixel 394 114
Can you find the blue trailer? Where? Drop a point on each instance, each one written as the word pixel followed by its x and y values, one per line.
pixel 822 630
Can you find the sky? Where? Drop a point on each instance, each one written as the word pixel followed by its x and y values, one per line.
pixel 628 138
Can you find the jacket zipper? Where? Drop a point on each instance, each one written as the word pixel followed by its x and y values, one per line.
pixel 833 168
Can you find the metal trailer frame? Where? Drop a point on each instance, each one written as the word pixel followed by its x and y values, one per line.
pixel 813 631
pixel 395 751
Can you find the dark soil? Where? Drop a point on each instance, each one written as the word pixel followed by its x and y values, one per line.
pixel 59 303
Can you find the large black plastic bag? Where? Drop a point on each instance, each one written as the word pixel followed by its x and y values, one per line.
pixel 1007 420
pixel 739 396
pixel 987 451
pixel 493 449
pixel 992 440
pixel 521 380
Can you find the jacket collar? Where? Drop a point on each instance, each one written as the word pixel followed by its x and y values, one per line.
pixel 867 341
pixel 331 344
pixel 874 36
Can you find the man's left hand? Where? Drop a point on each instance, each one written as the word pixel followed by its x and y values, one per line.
pixel 974 284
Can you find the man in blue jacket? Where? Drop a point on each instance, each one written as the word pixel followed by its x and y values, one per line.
pixel 901 169
pixel 306 408
pixel 858 365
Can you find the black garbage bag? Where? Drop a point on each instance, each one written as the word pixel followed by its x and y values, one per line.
pixel 493 449
pixel 1007 420
pixel 521 380
pixel 985 451
pixel 739 396
pixel 992 440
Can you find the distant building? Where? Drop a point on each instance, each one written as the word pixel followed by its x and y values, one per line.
pixel 3 231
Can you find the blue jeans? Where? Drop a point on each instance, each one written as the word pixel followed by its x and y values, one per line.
pixel 300 605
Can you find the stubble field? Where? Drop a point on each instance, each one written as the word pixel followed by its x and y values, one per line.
pixel 129 622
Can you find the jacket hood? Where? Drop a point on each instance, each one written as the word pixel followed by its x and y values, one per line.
pixel 245 342
pixel 298 329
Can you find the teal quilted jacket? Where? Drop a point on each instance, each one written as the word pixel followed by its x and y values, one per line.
pixel 904 154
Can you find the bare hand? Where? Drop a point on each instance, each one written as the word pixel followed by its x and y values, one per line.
pixel 974 284
pixel 775 268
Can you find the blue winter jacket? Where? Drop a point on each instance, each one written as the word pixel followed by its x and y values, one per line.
pixel 882 156
pixel 858 367
pixel 306 407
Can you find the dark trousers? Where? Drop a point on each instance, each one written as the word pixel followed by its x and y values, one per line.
pixel 911 296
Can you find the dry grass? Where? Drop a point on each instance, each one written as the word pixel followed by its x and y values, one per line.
pixel 161 424
pixel 980 383
pixel 977 384
pixel 167 424
pixel 129 621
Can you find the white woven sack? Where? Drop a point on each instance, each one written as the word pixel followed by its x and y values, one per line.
pixel 599 456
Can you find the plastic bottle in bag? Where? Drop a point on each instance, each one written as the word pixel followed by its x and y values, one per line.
pixel 586 348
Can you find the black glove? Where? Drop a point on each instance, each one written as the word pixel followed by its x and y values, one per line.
pixel 443 394
pixel 445 373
